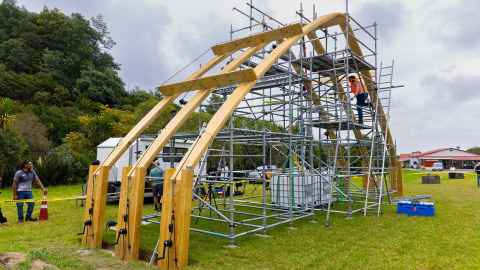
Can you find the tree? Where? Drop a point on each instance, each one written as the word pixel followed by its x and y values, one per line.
pixel 12 150
pixel 214 103
pixel 80 146
pixel 34 133
pixel 7 109
pixel 16 86
pixel 60 166
pixel 63 57
pixel 58 120
pixel 104 87
pixel 10 2
pixel 474 150
pixel 135 97
pixel 17 56
pixel 105 124
pixel 100 25
pixel 143 108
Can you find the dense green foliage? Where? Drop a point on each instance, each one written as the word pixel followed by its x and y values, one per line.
pixel 60 92
pixel 53 58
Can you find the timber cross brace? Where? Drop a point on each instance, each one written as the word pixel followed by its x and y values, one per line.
pixel 177 201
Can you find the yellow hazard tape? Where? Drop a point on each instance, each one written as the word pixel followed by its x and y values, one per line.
pixel 50 200
pixel 42 200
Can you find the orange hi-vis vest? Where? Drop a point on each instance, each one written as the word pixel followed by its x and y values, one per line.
pixel 357 87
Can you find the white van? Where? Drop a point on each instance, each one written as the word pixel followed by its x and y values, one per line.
pixel 170 156
pixel 437 166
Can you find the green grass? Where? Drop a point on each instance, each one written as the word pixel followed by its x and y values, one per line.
pixel 450 240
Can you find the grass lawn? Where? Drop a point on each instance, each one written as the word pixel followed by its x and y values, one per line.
pixel 450 240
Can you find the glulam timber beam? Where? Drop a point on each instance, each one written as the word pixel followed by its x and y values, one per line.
pixel 254 40
pixel 213 81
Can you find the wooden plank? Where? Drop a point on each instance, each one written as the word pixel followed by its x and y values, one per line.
pixel 183 210
pixel 135 213
pixel 209 82
pixel 254 40
pixel 165 220
pixel 88 202
pixel 122 246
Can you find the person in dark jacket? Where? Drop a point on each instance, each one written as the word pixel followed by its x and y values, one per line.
pixel 477 170
pixel 156 180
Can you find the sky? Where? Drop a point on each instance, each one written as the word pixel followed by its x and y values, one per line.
pixel 435 45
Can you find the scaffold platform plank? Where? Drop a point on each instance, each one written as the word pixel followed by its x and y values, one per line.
pixel 325 65
pixel 214 81
pixel 274 70
pixel 253 40
pixel 344 125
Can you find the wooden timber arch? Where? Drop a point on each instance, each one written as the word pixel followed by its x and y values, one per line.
pixel 178 181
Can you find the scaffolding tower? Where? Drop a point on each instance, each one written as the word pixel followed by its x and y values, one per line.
pixel 295 140
pixel 283 139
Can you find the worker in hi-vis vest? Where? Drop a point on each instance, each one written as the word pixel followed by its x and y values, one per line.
pixel 357 89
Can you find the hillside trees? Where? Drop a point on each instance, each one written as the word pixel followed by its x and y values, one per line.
pixel 53 57
pixel 61 95
pixel 474 150
pixel 55 72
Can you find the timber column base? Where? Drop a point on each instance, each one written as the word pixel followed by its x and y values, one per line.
pixel 94 237
pixel 88 211
pixel 122 218
pixel 175 220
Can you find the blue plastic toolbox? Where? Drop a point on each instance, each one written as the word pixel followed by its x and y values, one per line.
pixel 413 208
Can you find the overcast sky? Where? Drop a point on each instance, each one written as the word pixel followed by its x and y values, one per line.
pixel 436 46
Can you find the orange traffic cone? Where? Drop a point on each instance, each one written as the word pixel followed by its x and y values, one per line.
pixel 44 208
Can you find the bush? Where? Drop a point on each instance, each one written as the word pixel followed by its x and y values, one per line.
pixel 59 166
pixel 29 126
pixel 12 149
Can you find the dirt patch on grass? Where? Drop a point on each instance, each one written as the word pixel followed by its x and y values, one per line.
pixel 10 260
pixel 41 265
pixel 102 259
pixel 13 260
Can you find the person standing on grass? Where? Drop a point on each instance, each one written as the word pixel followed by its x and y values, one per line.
pixel 156 180
pixel 477 170
pixel 22 189
pixel 360 94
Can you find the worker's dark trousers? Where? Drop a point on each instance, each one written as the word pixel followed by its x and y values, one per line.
pixel 478 180
pixel 361 102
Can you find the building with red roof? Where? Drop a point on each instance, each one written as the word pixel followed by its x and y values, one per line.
pixel 450 157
